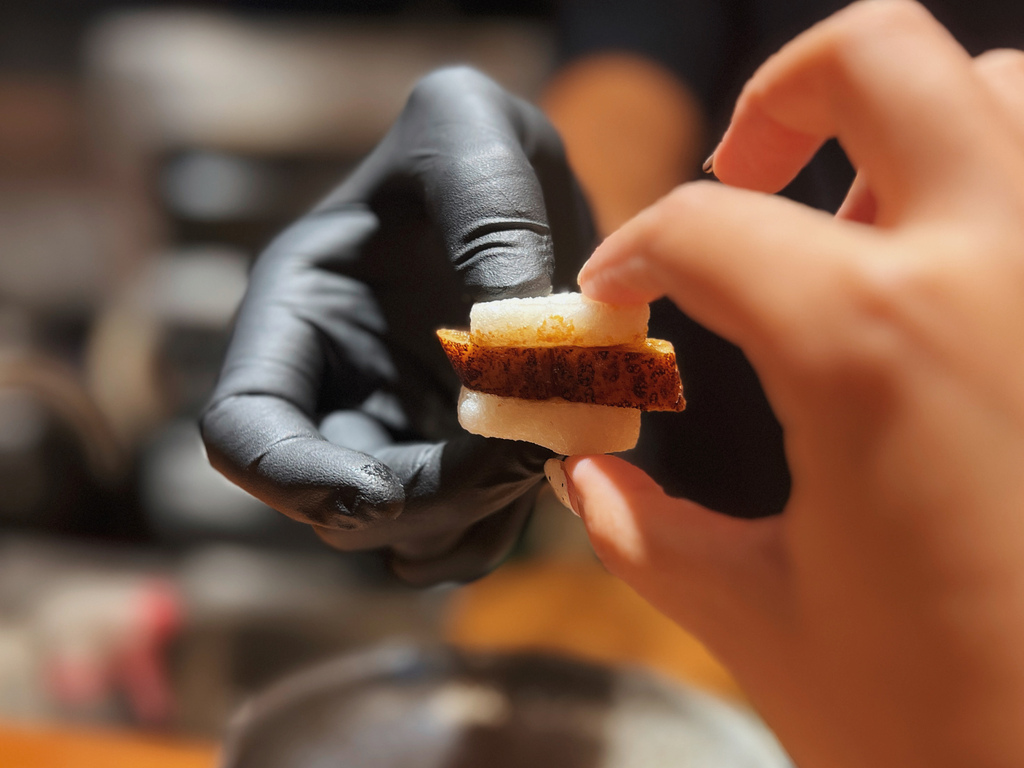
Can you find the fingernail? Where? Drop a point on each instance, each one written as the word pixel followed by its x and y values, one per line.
pixel 709 164
pixel 554 471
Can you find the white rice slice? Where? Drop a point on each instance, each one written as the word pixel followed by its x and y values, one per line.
pixel 561 319
pixel 564 427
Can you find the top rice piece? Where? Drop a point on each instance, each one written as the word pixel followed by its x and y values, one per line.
pixel 561 319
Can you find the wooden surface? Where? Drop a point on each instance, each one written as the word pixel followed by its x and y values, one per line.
pixel 575 607
pixel 25 746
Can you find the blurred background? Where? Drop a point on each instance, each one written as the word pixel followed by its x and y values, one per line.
pixel 147 153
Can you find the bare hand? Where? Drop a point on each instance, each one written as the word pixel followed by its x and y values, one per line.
pixel 880 620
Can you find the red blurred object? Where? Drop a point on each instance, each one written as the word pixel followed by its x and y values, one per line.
pixel 122 652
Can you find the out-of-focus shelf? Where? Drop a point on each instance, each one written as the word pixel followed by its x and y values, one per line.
pixel 264 86
pixel 24 746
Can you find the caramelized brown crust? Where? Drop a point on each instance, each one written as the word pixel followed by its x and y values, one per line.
pixel 643 376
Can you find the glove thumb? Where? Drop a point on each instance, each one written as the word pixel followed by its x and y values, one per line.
pixel 720 577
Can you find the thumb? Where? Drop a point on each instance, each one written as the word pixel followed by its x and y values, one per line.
pixel 720 577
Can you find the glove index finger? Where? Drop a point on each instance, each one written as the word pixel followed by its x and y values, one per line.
pixel 272 450
pixel 471 146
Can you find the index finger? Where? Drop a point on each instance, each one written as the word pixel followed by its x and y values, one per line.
pixel 493 175
pixel 899 93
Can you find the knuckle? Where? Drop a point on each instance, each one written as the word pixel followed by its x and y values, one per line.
pixel 898 309
pixel 666 220
pixel 690 197
pixel 1001 63
pixel 866 21
pixel 661 226
pixel 859 333
pixel 883 295
pixel 875 16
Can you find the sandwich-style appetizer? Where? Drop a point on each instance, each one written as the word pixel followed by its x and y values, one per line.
pixel 562 371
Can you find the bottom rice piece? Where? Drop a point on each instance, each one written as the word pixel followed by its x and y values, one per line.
pixel 564 427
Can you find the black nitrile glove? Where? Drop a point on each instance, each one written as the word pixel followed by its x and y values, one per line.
pixel 336 404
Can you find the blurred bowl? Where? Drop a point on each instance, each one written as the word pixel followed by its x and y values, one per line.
pixel 412 707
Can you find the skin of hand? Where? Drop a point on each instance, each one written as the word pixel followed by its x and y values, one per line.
pixel 633 131
pixel 879 621
pixel 336 404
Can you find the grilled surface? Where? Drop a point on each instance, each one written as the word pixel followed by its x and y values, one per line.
pixel 643 376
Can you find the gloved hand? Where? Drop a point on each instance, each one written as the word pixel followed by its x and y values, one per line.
pixel 336 404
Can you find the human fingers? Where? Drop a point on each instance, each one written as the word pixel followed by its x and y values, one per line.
pixel 712 573
pixel 893 86
pixel 1002 73
pixel 763 272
